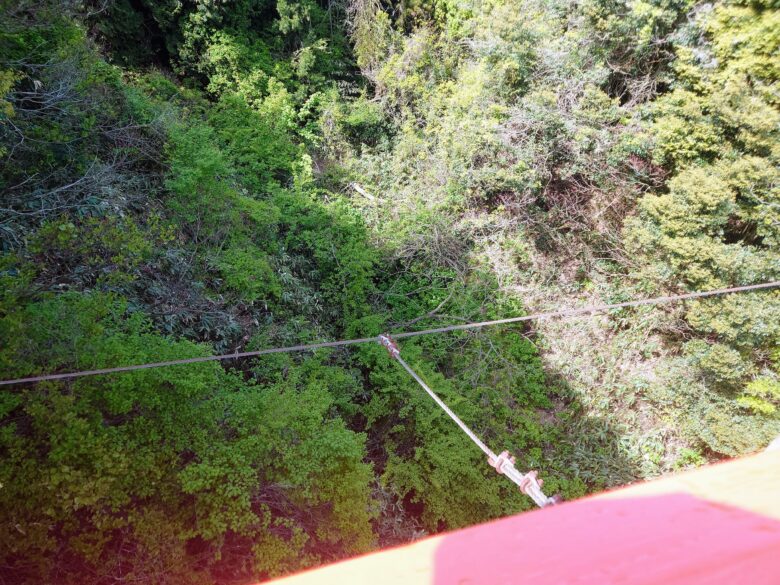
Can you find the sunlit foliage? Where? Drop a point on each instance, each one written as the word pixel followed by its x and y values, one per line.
pixel 184 178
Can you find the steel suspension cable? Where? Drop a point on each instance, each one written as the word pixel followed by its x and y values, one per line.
pixel 503 463
pixel 477 441
pixel 593 309
pixel 400 335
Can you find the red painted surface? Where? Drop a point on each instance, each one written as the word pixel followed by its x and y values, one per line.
pixel 672 539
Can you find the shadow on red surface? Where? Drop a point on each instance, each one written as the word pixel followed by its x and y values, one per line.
pixel 670 539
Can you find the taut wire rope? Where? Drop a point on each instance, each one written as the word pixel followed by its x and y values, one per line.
pixel 503 463
pixel 401 335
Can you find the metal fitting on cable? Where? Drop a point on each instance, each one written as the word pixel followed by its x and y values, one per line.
pixel 390 345
pixel 504 463
pixel 504 458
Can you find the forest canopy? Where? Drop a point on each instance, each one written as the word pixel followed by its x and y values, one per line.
pixel 185 178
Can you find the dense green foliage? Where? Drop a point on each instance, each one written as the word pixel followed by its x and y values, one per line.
pixel 183 178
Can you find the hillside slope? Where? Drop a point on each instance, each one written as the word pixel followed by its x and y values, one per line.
pixel 181 179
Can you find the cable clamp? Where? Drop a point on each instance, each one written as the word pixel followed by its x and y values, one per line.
pixel 390 345
pixel 528 483
pixel 499 462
